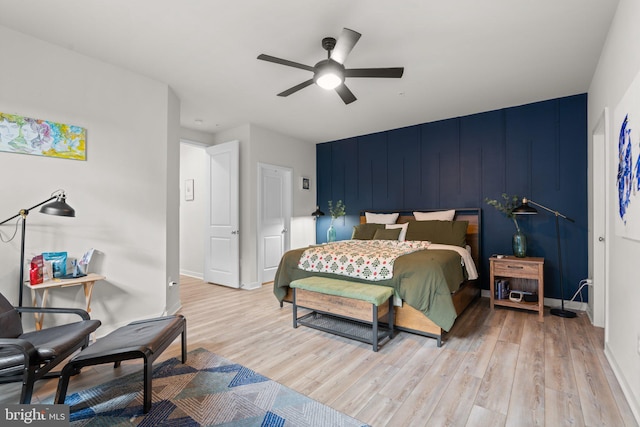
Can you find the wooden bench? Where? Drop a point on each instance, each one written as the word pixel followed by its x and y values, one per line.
pixel 344 308
pixel 145 339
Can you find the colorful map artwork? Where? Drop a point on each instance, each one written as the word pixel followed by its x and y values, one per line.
pixel 41 137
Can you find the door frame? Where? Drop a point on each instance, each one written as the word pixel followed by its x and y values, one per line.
pixel 287 209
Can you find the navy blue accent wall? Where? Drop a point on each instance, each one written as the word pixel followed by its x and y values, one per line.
pixel 536 150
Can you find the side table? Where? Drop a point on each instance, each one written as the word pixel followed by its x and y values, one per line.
pixel 40 292
pixel 524 274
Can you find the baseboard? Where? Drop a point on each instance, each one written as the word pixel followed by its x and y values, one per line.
pixel 250 286
pixel 553 302
pixel 194 274
pixel 571 305
pixel 626 390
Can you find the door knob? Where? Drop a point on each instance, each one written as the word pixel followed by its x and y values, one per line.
pixel 600 239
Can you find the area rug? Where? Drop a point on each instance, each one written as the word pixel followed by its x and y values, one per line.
pixel 208 390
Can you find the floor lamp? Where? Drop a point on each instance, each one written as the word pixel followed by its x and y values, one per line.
pixel 59 207
pixel 525 209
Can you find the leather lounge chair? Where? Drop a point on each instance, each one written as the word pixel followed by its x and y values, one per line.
pixel 29 356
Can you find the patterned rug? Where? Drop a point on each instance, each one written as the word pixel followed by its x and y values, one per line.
pixel 206 391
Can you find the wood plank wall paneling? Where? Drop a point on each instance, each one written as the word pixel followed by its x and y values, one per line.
pixel 536 150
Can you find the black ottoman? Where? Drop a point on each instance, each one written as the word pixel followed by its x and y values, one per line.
pixel 145 339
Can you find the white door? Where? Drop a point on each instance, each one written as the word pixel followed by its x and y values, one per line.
pixel 222 234
pixel 274 218
pixel 598 236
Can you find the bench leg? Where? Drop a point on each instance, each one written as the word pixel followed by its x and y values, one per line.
pixel 295 310
pixel 148 375
pixel 391 318
pixel 374 332
pixel 184 344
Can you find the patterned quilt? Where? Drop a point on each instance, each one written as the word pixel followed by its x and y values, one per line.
pixel 363 259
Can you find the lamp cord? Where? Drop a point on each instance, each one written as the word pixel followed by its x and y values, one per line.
pixel 582 284
pixel 15 231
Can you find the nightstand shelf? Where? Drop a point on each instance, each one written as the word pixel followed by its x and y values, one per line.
pixel 523 274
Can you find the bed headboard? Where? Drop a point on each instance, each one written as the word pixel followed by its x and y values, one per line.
pixel 473 215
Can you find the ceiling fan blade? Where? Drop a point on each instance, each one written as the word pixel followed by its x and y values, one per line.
pixel 347 40
pixel 296 88
pixel 347 96
pixel 375 72
pixel 286 62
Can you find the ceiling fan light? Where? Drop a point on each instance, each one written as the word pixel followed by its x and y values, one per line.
pixel 329 74
pixel 329 81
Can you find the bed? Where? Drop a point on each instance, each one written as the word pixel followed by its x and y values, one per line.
pixel 432 287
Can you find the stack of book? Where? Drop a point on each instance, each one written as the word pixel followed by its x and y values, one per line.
pixel 502 289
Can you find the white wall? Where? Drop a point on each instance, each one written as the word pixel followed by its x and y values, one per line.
pixel 277 149
pixel 619 64
pixel 258 145
pixel 125 194
pixel 193 160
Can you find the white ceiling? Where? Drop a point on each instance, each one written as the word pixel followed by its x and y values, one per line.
pixel 460 57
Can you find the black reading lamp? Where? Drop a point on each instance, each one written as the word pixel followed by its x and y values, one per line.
pixel 317 212
pixel 525 209
pixel 58 207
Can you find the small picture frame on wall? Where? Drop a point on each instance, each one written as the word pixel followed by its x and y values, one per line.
pixel 305 183
pixel 188 190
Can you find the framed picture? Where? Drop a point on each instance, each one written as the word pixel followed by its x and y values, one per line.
pixel 305 183
pixel 626 122
pixel 38 137
pixel 188 190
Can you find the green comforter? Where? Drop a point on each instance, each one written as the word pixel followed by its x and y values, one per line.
pixel 423 279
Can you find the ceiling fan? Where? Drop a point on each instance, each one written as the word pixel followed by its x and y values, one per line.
pixel 330 73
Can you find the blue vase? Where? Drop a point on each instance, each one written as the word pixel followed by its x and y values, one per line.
pixel 331 233
pixel 519 245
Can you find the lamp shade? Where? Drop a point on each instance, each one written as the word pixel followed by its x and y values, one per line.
pixel 58 207
pixel 524 209
pixel 317 212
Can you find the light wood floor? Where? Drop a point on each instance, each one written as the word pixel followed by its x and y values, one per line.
pixel 500 368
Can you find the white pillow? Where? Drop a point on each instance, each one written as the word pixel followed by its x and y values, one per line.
pixel 374 218
pixel 403 231
pixel 435 216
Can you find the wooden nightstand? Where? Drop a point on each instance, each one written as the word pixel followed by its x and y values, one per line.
pixel 523 274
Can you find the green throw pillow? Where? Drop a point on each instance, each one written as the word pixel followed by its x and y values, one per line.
pixel 387 234
pixel 443 232
pixel 365 231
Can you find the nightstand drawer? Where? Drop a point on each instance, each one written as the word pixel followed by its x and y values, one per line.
pixel 515 269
